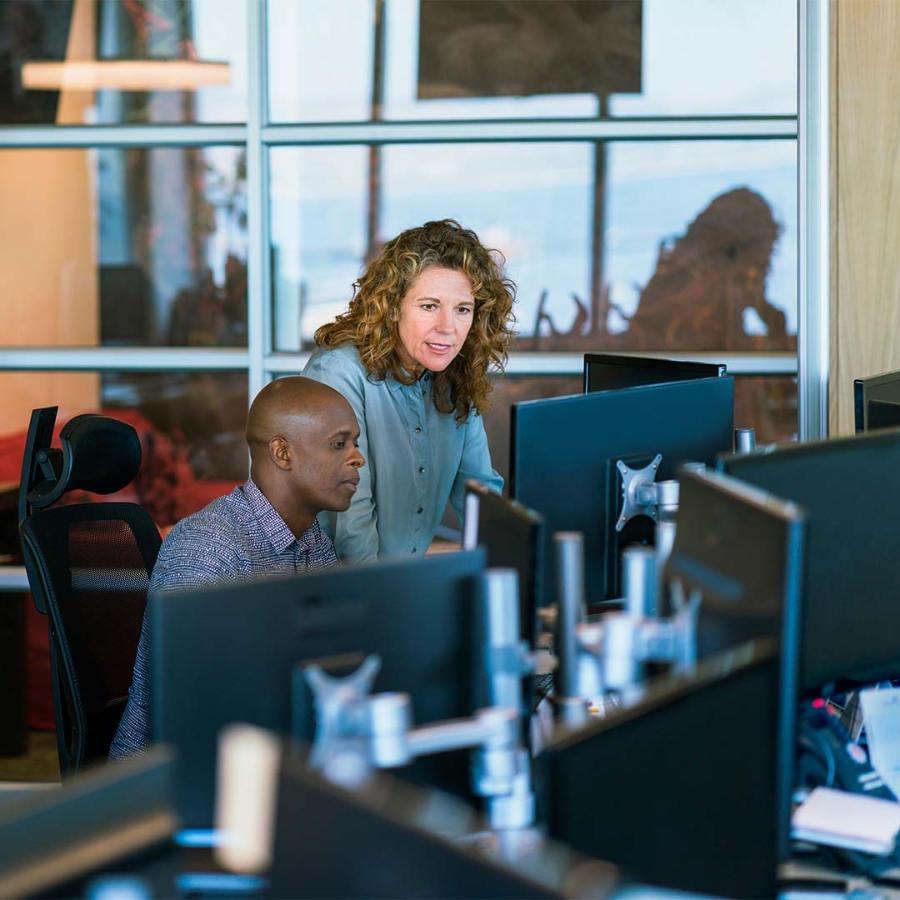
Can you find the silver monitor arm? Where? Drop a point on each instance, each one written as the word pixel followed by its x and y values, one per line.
pixel 744 440
pixel 357 731
pixel 642 495
pixel 608 654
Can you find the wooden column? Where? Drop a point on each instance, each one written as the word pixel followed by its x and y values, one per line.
pixel 865 312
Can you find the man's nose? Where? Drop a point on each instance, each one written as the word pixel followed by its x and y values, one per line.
pixel 357 460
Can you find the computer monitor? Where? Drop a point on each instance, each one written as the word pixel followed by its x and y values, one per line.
pixel 392 839
pixel 741 550
pixel 512 534
pixel 54 842
pixel 884 388
pixel 881 414
pixel 565 450
pixel 609 371
pixel 232 653
pixel 851 495
pixel 680 789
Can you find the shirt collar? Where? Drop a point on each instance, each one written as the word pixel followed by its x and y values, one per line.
pixel 274 527
pixel 397 386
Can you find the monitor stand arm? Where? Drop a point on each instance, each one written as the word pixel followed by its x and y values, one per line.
pixel 642 495
pixel 628 641
pixel 607 654
pixel 744 440
pixel 358 731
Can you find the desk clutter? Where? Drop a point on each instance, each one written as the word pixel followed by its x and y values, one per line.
pixel 663 664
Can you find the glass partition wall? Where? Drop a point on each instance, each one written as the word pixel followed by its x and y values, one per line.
pixel 190 188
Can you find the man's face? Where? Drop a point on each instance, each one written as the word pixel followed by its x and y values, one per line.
pixel 326 458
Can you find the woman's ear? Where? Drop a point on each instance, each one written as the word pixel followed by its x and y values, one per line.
pixel 280 452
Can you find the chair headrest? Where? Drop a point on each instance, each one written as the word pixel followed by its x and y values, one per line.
pixel 99 454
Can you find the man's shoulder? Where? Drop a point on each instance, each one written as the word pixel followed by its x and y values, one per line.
pixel 322 554
pixel 221 516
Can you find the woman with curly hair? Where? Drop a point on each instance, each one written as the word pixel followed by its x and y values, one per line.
pixel 429 321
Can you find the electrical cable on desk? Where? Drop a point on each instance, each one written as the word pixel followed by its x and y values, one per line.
pixel 830 757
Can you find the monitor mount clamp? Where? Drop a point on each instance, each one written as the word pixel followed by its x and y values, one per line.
pixel 607 654
pixel 358 731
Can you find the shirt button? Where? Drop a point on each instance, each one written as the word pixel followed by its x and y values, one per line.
pixel 418 430
pixel 421 470
pixel 413 549
pixel 419 510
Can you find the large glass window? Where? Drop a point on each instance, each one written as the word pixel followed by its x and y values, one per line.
pixel 85 62
pixel 362 60
pixel 688 245
pixel 136 247
pixel 634 160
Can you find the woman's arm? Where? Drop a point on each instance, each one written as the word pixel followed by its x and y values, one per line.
pixel 475 463
pixel 355 531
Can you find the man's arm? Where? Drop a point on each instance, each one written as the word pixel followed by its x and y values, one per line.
pixel 186 560
pixel 133 733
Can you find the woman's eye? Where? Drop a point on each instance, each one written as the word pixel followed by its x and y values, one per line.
pixel 464 310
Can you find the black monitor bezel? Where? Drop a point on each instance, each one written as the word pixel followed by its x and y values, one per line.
pixel 699 495
pixel 425 844
pixel 648 370
pixel 815 675
pixel 205 640
pixel 584 471
pixel 884 387
pixel 657 695
pixel 532 549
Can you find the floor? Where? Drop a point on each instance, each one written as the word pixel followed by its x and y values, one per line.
pixel 40 763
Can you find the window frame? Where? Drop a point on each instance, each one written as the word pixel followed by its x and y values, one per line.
pixel 809 127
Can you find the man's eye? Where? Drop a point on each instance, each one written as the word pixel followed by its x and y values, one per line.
pixel 339 445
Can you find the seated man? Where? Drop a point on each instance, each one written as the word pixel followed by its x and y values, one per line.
pixel 304 457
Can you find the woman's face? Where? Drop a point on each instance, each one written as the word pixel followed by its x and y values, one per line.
pixel 436 314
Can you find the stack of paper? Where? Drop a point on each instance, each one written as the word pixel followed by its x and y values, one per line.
pixel 855 821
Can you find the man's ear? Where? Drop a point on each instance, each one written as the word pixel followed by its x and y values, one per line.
pixel 280 452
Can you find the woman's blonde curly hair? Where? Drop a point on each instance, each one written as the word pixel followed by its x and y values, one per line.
pixel 372 320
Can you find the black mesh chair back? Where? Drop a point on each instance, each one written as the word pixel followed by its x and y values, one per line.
pixel 89 568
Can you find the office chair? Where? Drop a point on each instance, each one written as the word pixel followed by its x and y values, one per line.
pixel 88 566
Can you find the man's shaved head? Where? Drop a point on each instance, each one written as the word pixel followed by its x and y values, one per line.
pixel 285 405
pixel 304 449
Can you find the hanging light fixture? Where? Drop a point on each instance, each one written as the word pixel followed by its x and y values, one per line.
pixel 81 70
pixel 124 75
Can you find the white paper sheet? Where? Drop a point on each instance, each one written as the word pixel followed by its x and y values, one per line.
pixel 881 714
